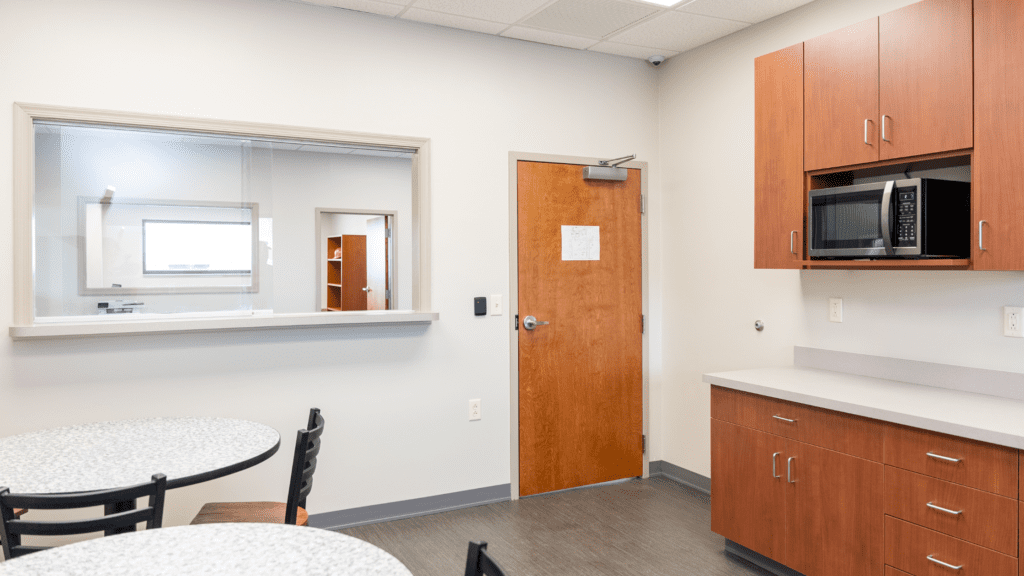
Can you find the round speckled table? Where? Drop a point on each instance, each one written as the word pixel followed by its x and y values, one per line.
pixel 105 455
pixel 214 549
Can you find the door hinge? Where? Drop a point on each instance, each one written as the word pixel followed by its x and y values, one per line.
pixel 517 321
pixel 388 232
pixel 643 324
pixel 643 444
pixel 642 204
pixel 387 294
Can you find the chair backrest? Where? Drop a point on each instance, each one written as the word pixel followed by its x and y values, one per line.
pixel 14 528
pixel 480 563
pixel 307 446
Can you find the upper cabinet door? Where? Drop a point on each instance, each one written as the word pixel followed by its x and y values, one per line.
pixel 841 97
pixel 779 159
pixel 997 189
pixel 925 78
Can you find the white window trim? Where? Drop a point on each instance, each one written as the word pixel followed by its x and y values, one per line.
pixel 25 326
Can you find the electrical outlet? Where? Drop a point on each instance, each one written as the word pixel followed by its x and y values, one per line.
pixel 495 303
pixel 1012 317
pixel 835 309
pixel 474 409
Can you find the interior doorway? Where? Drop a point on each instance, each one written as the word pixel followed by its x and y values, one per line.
pixel 356 262
pixel 579 387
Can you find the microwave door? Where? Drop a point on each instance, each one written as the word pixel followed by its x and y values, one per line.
pixel 851 221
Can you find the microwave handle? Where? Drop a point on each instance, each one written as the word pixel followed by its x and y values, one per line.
pixel 887 218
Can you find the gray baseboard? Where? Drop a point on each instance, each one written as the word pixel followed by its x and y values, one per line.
pixel 680 475
pixel 408 508
pixel 759 560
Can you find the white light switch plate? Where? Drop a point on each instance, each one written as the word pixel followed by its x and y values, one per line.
pixel 835 309
pixel 1012 317
pixel 495 305
pixel 474 409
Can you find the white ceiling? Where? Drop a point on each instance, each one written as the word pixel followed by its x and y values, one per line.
pixel 632 28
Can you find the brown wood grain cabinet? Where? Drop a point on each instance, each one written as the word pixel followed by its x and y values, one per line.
pixel 997 191
pixel 923 552
pixel 779 159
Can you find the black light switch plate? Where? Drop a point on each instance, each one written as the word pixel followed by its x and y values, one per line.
pixel 480 306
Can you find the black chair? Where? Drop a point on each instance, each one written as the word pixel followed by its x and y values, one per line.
pixel 480 563
pixel 14 528
pixel 307 446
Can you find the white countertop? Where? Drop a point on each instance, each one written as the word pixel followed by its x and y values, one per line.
pixel 970 415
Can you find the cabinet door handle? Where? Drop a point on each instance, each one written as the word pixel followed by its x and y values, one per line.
pixel 946 510
pixel 941 563
pixel 866 143
pixel 777 417
pixel 981 241
pixel 944 458
pixel 789 470
pixel 883 128
pixel 792 243
pixel 775 474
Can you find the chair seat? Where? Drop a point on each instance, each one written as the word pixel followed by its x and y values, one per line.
pixel 266 512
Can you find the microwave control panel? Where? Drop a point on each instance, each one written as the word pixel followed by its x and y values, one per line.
pixel 906 223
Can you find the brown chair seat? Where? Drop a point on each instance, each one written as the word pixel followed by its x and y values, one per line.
pixel 266 512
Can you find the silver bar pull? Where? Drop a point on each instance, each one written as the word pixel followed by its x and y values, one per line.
pixel 866 120
pixel 792 242
pixel 944 458
pixel 946 510
pixel 941 563
pixel 981 241
pixel 530 323
pixel 789 470
pixel 883 128
pixel 775 474
pixel 777 417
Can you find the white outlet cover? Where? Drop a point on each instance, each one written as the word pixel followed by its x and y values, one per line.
pixel 1013 317
pixel 474 409
pixel 835 309
pixel 495 305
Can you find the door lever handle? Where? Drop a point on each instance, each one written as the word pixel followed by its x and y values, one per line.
pixel 530 323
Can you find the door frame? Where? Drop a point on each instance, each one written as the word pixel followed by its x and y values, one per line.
pixel 513 299
pixel 320 260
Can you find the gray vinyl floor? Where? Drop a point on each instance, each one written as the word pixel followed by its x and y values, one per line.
pixel 652 526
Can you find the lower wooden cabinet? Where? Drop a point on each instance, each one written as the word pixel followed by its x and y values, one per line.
pixel 814 510
pixel 923 552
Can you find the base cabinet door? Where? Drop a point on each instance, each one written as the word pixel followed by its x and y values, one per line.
pixel 834 514
pixel 747 488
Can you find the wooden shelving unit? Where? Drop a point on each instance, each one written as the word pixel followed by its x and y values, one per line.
pixel 333 288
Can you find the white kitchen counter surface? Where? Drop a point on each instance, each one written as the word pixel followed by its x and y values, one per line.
pixel 967 414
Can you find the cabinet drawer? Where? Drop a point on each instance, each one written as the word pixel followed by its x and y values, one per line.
pixel 976 464
pixel 908 548
pixel 844 433
pixel 985 519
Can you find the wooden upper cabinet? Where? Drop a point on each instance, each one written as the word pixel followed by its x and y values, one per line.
pixel 841 97
pixel 779 159
pixel 925 80
pixel 997 190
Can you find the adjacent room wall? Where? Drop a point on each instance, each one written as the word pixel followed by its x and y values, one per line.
pixel 706 104
pixel 394 398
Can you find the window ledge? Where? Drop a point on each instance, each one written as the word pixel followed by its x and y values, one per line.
pixel 254 322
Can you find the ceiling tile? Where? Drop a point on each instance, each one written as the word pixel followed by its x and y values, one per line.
pixel 545 37
pixel 631 51
pixel 505 11
pixel 362 6
pixel 751 11
pixel 591 18
pixel 453 21
pixel 678 31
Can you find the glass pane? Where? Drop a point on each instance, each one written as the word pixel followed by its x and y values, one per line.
pixel 848 221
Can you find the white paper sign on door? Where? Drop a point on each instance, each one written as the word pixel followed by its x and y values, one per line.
pixel 581 242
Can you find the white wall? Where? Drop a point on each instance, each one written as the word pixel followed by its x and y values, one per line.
pixel 706 103
pixel 394 397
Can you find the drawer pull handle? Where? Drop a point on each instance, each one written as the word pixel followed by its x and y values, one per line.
pixel 774 473
pixel 941 563
pixel 944 458
pixel 777 417
pixel 946 510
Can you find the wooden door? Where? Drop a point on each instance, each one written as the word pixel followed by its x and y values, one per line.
pixel 997 191
pixel 834 517
pixel 779 159
pixel 377 263
pixel 840 94
pixel 581 375
pixel 925 78
pixel 353 272
pixel 747 499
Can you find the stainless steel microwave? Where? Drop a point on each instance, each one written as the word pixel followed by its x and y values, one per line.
pixel 912 218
